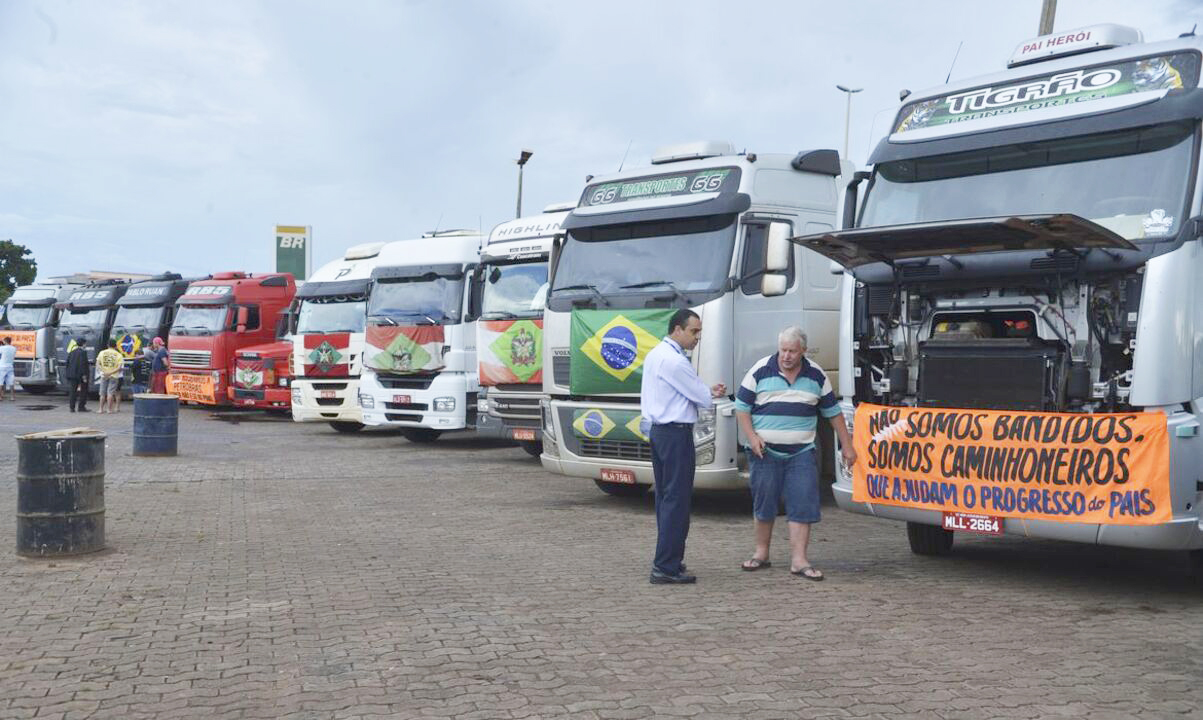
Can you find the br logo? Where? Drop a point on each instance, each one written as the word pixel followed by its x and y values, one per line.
pixel 619 347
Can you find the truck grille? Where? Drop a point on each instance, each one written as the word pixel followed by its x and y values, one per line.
pixel 403 417
pixel 406 382
pixel 616 449
pixel 22 368
pixel 560 366
pixel 319 386
pixel 190 358
pixel 406 406
pixel 515 408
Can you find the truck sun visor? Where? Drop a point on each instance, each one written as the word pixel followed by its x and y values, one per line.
pixel 331 289
pixel 411 272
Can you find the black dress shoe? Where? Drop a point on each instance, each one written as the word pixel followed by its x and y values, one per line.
pixel 659 578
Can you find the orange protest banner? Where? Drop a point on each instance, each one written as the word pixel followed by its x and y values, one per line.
pixel 193 388
pixel 25 341
pixel 1106 468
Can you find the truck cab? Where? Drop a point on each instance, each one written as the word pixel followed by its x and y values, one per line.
pixel 30 319
pixel 86 316
pixel 1028 246
pixel 329 335
pixel 214 319
pixel 704 228
pixel 144 312
pixel 419 360
pixel 509 334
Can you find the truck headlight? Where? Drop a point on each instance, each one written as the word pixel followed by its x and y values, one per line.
pixel 296 396
pixel 703 429
pixel 444 404
pixel 549 424
pixel 367 402
pixel 705 455
pixel 283 382
pixel 482 402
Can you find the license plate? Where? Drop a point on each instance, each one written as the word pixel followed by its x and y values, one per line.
pixel 968 522
pixel 402 399
pixel 615 475
pixel 327 395
pixel 523 434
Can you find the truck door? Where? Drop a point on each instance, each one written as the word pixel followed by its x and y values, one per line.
pixel 758 319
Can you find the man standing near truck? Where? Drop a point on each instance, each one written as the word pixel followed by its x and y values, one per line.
pixel 670 396
pixel 158 367
pixel 109 365
pixel 77 376
pixel 777 406
pixel 8 354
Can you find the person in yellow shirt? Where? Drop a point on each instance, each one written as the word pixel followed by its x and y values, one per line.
pixel 109 364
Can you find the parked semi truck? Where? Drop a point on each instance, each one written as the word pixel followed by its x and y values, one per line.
pixel 31 319
pixel 419 358
pixel 702 228
pixel 328 341
pixel 215 318
pixel 1022 339
pixel 262 376
pixel 86 316
pixel 144 312
pixel 509 333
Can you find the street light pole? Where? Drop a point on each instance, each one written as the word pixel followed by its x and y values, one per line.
pixel 847 113
pixel 523 156
pixel 1047 13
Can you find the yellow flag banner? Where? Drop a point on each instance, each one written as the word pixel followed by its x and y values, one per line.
pixel 1104 468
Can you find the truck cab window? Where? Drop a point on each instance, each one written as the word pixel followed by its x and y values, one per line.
pixel 756 237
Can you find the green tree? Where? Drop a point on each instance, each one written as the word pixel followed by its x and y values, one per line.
pixel 17 267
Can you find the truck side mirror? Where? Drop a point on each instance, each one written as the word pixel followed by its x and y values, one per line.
pixel 242 318
pixel 773 284
pixel 778 248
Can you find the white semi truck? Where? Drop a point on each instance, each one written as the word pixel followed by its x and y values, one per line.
pixel 328 339
pixel 703 228
pixel 30 319
pixel 1028 246
pixel 419 359
pixel 509 333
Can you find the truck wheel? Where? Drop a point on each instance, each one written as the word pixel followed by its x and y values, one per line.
pixel 1196 566
pixel 928 539
pixel 344 426
pixel 622 489
pixel 421 435
pixel 36 389
pixel 534 448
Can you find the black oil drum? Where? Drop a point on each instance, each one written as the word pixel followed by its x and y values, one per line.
pixel 156 424
pixel 60 493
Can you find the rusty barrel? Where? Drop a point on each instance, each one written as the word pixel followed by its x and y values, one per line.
pixel 60 492
pixel 156 424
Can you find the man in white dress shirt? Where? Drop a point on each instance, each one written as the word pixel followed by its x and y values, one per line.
pixel 670 397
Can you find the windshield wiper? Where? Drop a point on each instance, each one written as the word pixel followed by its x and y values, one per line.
pixel 499 315
pixel 653 283
pixel 385 318
pixel 592 288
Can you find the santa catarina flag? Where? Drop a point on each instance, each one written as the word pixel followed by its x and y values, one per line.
pixel 609 346
pixel 327 355
pixel 404 349
pixel 510 351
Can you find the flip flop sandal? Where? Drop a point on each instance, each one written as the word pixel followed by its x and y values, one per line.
pixel 801 572
pixel 757 564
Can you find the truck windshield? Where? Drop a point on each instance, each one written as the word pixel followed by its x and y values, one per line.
pixel 690 257
pixel 27 315
pixel 1133 182
pixel 83 319
pixel 427 300
pixel 322 315
pixel 147 318
pixel 514 291
pixel 199 319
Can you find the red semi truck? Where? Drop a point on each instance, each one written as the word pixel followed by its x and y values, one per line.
pixel 263 376
pixel 215 319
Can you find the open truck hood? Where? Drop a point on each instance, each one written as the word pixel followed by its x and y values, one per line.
pixel 893 243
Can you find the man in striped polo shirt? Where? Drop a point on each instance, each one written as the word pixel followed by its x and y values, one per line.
pixel 778 404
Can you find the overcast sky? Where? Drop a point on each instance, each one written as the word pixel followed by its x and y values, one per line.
pixel 174 135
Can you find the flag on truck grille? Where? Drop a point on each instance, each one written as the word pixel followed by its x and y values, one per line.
pixel 404 349
pixel 248 373
pixel 510 351
pixel 611 424
pixel 327 354
pixel 609 347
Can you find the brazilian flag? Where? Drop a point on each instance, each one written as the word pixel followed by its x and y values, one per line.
pixel 612 424
pixel 609 347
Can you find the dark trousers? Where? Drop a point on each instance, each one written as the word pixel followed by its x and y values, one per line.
pixel 78 389
pixel 673 465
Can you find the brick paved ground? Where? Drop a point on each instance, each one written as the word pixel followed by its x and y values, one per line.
pixel 276 570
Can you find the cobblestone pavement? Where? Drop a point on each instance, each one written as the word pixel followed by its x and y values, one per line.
pixel 278 570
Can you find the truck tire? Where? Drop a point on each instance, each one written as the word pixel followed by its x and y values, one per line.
pixel 622 489
pixel 534 448
pixel 344 426
pixel 928 539
pixel 421 435
pixel 37 389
